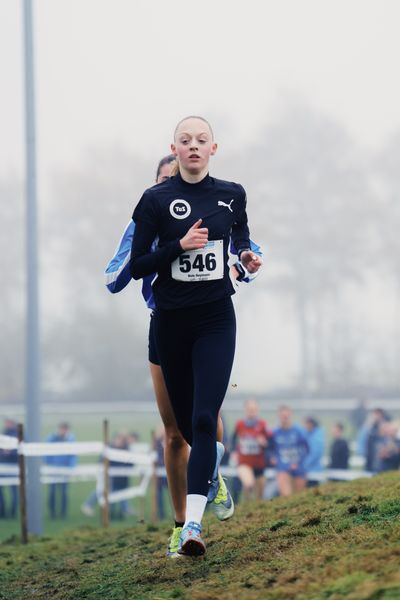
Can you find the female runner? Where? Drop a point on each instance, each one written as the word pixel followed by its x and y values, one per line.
pixel 193 216
pixel 117 276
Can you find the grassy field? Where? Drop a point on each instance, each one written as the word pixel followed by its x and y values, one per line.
pixel 338 541
pixel 88 428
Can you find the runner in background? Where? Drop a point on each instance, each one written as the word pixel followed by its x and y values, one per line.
pixel 176 450
pixel 289 451
pixel 249 443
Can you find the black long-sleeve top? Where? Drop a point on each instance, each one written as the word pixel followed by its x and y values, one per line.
pixel 339 454
pixel 165 212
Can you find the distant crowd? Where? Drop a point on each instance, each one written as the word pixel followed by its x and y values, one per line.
pixel 297 452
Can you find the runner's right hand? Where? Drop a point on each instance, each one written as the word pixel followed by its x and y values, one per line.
pixel 196 237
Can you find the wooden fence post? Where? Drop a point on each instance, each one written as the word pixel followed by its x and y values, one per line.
pixel 22 488
pixel 105 513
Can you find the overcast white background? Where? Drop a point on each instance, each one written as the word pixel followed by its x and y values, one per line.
pixel 121 73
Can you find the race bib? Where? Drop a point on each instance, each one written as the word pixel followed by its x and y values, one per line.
pixel 249 446
pixel 204 264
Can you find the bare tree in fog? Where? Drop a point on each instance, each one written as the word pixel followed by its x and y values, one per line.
pixel 93 347
pixel 324 218
pixel 387 188
pixel 386 185
pixel 309 183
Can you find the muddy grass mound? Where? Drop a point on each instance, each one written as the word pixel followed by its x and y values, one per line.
pixel 341 540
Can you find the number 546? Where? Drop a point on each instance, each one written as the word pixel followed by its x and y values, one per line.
pixel 200 262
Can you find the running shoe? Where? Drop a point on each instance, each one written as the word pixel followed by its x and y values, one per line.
pixel 223 505
pixel 190 543
pixel 214 484
pixel 173 543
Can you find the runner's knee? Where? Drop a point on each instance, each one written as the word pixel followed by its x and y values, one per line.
pixel 174 441
pixel 205 422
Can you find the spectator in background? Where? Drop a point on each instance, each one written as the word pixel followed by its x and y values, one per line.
pixel 359 414
pixel 132 438
pixel 369 439
pixel 249 442
pixel 119 510
pixel 339 452
pixel 9 457
pixel 289 451
pixel 58 492
pixel 389 447
pixel 316 446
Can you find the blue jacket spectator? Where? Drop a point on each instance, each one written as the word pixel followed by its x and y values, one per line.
pixel 63 434
pixel 362 439
pixel 9 457
pixel 315 437
pixel 389 449
pixel 60 490
pixel 369 439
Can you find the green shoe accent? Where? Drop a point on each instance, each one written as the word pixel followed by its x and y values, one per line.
pixel 222 504
pixel 222 494
pixel 173 542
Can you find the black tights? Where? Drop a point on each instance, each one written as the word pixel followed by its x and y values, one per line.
pixel 196 347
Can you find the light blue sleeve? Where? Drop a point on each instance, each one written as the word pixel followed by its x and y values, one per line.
pixel 72 458
pixel 316 444
pixel 117 274
pixel 361 442
pixel 49 460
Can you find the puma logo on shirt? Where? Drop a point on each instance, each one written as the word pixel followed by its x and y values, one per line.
pixel 220 203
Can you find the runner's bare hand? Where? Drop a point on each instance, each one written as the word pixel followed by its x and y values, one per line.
pixel 196 237
pixel 252 262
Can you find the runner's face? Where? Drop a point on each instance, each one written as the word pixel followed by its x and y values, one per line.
pixel 336 431
pixel 251 410
pixel 193 145
pixel 164 173
pixel 285 417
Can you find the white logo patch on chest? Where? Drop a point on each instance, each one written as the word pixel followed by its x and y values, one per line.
pixel 220 203
pixel 180 209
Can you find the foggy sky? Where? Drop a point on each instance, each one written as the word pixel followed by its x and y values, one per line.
pixel 122 73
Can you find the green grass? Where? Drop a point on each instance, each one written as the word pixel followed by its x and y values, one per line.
pixel 78 492
pixel 337 541
pixel 86 428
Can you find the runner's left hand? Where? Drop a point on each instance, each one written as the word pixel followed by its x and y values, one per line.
pixel 252 262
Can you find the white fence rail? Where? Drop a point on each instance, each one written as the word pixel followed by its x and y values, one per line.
pixel 143 465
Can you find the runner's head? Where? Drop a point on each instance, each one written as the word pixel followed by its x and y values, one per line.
pixel 251 409
pixel 311 424
pixel 285 416
pixel 337 430
pixel 63 428
pixel 164 169
pixel 193 145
